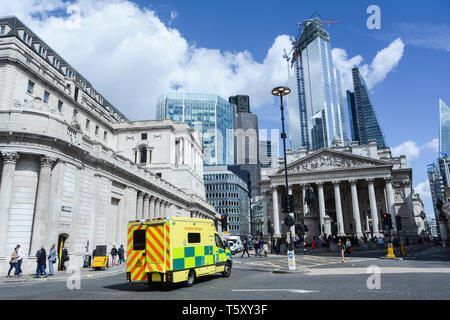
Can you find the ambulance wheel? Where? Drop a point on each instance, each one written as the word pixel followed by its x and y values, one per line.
pixel 227 270
pixel 191 278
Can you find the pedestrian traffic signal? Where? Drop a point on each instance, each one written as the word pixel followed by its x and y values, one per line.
pixel 398 220
pixel 224 220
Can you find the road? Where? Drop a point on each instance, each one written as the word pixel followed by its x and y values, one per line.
pixel 425 275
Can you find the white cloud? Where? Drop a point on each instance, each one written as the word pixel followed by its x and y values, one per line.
pixel 408 148
pixel 131 56
pixel 423 189
pixel 433 145
pixel 383 63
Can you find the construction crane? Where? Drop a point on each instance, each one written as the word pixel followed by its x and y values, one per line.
pixel 323 22
pixel 287 57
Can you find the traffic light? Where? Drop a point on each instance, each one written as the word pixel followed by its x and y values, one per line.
pixel 269 227
pixel 398 219
pixel 224 220
pixel 386 221
pixel 289 206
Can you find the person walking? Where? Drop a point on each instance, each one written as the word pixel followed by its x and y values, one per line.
pixel 257 253
pixel 121 254
pixel 113 255
pixel 265 249
pixel 20 255
pixel 245 249
pixel 276 246
pixel 348 246
pixel 64 258
pixel 41 261
pixel 341 249
pixel 13 263
pixel 51 259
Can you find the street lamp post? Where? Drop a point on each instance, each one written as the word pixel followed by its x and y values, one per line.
pixel 283 91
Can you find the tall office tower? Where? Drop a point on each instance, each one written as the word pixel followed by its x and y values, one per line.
pixel 315 107
pixel 210 114
pixel 363 121
pixel 246 135
pixel 444 128
pixel 268 153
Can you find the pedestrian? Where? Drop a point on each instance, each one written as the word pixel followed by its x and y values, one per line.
pixel 51 259
pixel 276 246
pixel 20 255
pixel 341 249
pixel 41 262
pixel 257 253
pixel 13 263
pixel 265 249
pixel 348 245
pixel 121 254
pixel 313 243
pixel 64 258
pixel 245 249
pixel 113 255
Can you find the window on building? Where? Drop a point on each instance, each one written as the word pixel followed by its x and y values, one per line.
pixel 158 174
pixel 2 30
pixel 30 87
pixel 143 136
pixel 88 122
pixel 60 105
pixel 76 94
pixel 42 51
pixel 105 136
pixel 96 130
pixel 27 38
pixel 143 152
pixel 55 62
pixel 46 96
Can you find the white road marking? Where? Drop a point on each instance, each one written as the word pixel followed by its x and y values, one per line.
pixel 278 290
pixel 385 270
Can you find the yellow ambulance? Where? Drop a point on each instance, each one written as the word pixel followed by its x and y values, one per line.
pixel 175 249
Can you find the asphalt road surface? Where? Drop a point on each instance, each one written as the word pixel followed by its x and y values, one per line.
pixel 423 276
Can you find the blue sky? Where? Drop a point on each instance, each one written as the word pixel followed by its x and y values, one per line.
pixel 235 47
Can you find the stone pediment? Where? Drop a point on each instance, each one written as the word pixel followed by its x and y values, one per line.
pixel 327 159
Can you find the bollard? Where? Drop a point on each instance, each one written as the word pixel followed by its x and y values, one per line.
pixel 402 249
pixel 390 253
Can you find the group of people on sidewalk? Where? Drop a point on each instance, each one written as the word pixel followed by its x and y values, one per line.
pixel 41 261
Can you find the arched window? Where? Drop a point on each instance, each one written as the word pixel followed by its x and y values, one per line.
pixel 143 152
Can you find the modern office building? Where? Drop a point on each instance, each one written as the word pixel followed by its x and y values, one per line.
pixel 226 189
pixel 246 135
pixel 210 114
pixel 268 153
pixel 315 107
pixel 363 121
pixel 444 128
pixel 74 170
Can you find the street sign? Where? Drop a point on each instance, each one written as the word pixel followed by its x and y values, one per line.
pixel 226 235
pixel 291 260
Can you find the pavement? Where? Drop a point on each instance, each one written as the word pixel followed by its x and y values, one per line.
pixel 85 273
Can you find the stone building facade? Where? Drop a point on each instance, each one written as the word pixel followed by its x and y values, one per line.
pixel 353 186
pixel 74 170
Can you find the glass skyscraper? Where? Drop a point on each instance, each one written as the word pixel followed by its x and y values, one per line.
pixel 363 121
pixel 444 128
pixel 210 114
pixel 316 105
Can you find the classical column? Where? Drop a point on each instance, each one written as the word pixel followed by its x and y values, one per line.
pixel 146 206
pixel 139 205
pixel 337 199
pixel 41 206
pixel 152 207
pixel 355 205
pixel 276 215
pixel 157 201
pixel 321 205
pixel 305 205
pixel 148 156
pixel 373 207
pixel 391 202
pixel 161 209
pixel 6 187
pixel 292 228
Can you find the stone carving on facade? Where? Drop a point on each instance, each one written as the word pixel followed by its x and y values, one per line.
pixel 325 162
pixel 10 157
pixel 48 161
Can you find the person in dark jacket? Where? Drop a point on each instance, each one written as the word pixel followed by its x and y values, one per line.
pixel 121 254
pixel 41 256
pixel 113 255
pixel 245 249
pixel 64 258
